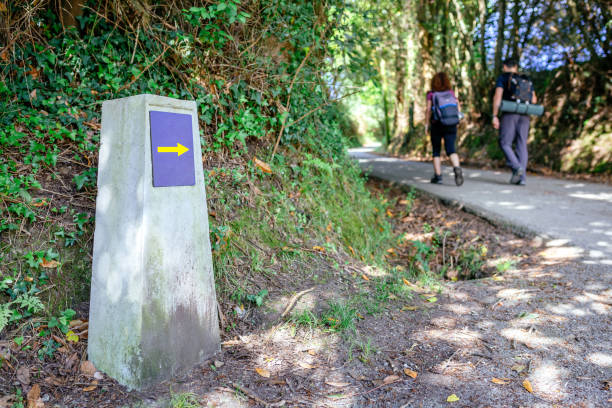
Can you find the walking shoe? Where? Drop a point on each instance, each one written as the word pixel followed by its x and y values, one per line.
pixel 458 176
pixel 522 183
pixel 516 176
pixel 436 179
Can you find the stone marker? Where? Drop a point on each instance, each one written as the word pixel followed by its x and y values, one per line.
pixel 153 309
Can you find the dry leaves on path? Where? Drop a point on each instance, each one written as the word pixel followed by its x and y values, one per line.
pixel 452 398
pixel 410 373
pixel 391 379
pixel 34 400
pixel 337 384
pixel 93 386
pixel 88 368
pixel 499 381
pixel 528 386
pixel 263 372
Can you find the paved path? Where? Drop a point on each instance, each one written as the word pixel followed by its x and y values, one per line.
pixel 576 215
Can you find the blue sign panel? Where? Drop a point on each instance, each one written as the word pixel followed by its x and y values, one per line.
pixel 172 149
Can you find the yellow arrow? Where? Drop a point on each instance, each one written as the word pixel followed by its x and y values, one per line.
pixel 179 149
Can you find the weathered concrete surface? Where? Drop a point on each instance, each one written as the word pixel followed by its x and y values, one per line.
pixel 572 213
pixel 153 309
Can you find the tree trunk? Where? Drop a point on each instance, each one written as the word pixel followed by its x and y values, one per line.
pixel 482 8
pixel 385 102
pixel 500 36
pixel 513 49
pixel 400 117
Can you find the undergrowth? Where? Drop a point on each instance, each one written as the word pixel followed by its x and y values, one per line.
pixel 312 205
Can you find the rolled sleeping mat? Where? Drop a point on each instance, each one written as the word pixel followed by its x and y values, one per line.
pixel 521 108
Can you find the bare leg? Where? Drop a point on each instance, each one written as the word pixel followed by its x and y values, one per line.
pixel 454 157
pixel 437 165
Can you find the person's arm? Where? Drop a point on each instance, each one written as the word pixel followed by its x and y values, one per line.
pixel 497 98
pixel 534 98
pixel 427 115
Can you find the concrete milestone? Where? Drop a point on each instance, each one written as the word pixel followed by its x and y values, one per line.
pixel 153 309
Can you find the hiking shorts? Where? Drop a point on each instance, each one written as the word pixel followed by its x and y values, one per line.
pixel 439 132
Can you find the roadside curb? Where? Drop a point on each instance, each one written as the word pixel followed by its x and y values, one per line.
pixel 496 220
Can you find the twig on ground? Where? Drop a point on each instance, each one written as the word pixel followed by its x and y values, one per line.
pixel 294 299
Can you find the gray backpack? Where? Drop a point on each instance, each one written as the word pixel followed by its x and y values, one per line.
pixel 445 108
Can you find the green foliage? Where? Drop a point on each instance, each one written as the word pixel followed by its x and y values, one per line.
pixel 51 92
pixel 305 318
pixel 48 349
pixel 471 261
pixel 62 321
pixel 504 266
pixel 184 400
pixel 257 298
pixel 339 316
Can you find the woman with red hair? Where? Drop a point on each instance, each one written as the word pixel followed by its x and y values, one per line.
pixel 438 131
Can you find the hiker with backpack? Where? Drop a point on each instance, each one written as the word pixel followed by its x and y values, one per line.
pixel 441 119
pixel 515 99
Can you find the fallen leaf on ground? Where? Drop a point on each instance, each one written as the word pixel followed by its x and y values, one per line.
pixel 391 251
pixel 33 94
pixel 70 336
pixel 49 263
pixel 75 323
pixel 329 227
pixel 518 368
pixel 364 277
pixel 262 165
pixel 88 368
pixel 391 379
pixel 498 381
pixel 34 400
pixel 410 373
pixel 93 125
pixel 432 299
pixel 389 213
pixel 527 386
pixel 218 364
pixel 305 365
pixel 452 398
pixel 91 387
pixel 263 372
pixel 39 203
pixel 318 248
pixel 23 375
pixel 54 381
pixel 311 352
pixel 352 250
pixel 337 384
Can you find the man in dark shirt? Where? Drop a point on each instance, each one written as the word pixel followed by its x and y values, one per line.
pixel 514 128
